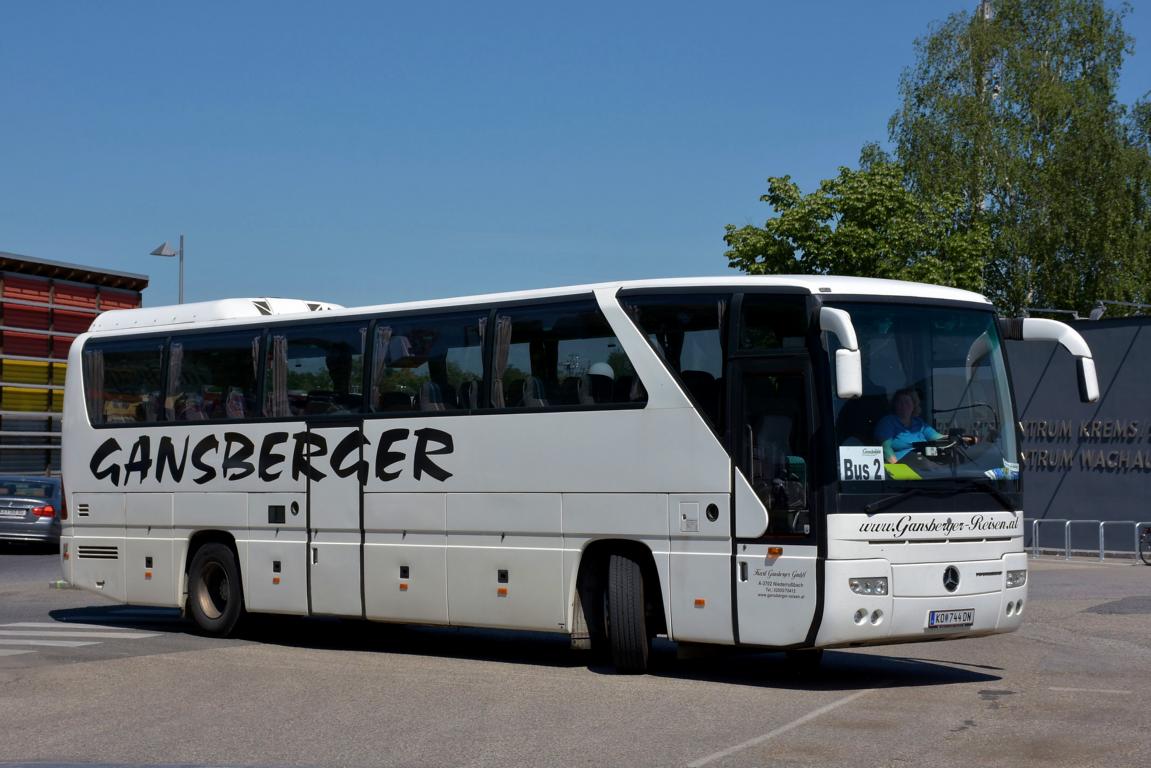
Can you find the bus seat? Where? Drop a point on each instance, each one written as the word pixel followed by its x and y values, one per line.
pixel 396 401
pixel 528 393
pixel 469 395
pixel 573 391
pixel 599 388
pixel 431 397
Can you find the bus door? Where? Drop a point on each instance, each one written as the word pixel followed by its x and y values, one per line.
pixel 335 517
pixel 776 573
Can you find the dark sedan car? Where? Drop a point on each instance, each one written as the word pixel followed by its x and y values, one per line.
pixel 30 509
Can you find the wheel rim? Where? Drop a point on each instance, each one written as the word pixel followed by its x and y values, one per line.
pixel 212 596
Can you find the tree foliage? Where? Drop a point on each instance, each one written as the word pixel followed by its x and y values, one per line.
pixel 1016 171
pixel 862 222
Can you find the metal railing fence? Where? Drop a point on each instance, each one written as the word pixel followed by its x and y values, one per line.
pixel 1136 526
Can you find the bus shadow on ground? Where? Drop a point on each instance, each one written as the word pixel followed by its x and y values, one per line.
pixel 840 670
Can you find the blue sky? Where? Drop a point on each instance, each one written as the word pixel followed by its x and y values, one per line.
pixel 364 153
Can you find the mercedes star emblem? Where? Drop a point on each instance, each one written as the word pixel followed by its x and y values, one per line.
pixel 951 578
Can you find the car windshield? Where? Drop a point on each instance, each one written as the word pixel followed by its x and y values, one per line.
pixel 936 403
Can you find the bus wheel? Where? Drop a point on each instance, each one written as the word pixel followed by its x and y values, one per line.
pixel 804 662
pixel 215 595
pixel 625 616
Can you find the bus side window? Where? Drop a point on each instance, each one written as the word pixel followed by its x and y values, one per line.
pixel 560 355
pixel 212 376
pixel 428 364
pixel 122 380
pixel 314 369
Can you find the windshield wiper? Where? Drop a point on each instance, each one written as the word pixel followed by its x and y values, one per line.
pixel 986 487
pixel 974 486
pixel 891 501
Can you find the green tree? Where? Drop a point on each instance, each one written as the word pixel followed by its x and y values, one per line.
pixel 862 222
pixel 1014 109
pixel 1016 172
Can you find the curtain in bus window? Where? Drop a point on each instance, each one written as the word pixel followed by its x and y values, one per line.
pixel 503 350
pixel 175 367
pixel 380 361
pixel 276 403
pixel 94 384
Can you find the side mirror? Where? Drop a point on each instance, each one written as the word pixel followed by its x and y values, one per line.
pixel 1042 329
pixel 848 364
pixel 1088 381
pixel 976 352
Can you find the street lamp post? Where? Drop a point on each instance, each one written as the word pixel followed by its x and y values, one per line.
pixel 163 249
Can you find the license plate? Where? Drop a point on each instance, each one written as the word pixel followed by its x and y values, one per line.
pixel 963 617
pixel 11 513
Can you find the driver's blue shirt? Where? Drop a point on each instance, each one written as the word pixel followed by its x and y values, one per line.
pixel 897 439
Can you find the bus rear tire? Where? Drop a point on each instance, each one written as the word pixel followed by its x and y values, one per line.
pixel 625 616
pixel 215 593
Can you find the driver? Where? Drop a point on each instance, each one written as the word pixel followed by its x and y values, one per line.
pixel 901 428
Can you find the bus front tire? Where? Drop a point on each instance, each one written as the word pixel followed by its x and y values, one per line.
pixel 625 616
pixel 215 593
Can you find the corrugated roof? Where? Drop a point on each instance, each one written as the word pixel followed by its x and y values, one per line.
pixel 15 262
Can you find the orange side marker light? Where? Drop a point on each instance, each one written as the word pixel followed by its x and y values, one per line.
pixel 774 551
pixel 700 602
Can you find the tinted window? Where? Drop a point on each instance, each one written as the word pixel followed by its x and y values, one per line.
pixel 773 322
pixel 687 331
pixel 428 363
pixel 122 380
pixel 213 377
pixel 560 355
pixel 315 369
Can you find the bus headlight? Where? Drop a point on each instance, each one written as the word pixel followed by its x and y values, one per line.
pixel 870 586
pixel 1016 578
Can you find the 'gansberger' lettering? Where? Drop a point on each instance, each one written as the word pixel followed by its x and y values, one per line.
pixel 235 456
pixel 907 524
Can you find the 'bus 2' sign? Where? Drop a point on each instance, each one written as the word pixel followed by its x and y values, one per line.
pixel 235 456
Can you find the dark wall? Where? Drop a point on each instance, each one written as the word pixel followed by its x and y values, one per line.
pixel 1087 461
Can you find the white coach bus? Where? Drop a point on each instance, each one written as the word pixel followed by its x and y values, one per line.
pixel 727 461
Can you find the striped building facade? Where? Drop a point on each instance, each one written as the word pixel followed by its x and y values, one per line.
pixel 44 305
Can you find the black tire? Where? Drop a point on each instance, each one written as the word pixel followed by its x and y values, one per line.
pixel 805 662
pixel 625 616
pixel 1145 548
pixel 215 593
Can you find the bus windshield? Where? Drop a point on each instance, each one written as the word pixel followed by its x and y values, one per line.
pixel 936 403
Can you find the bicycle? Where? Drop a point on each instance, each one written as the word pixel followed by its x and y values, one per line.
pixel 1145 545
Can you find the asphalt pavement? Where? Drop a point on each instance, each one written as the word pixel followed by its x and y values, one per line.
pixel 1071 688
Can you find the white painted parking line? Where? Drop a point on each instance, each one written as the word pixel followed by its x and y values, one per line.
pixel 52 625
pixel 78 633
pixel 1091 690
pixel 48 643
pixel 780 730
pixel 12 652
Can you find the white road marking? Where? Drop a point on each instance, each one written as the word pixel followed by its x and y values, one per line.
pixel 1090 690
pixel 77 633
pixel 11 652
pixel 48 643
pixel 780 730
pixel 52 625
